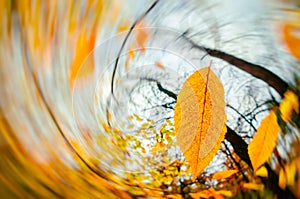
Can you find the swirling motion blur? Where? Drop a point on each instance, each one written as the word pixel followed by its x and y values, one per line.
pixel 88 91
pixel 41 143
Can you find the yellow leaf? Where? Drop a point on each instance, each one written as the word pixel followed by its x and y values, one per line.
pixel 201 194
pixel 138 118
pixel 167 179
pixel 262 172
pixel 288 104
pixel 297 191
pixel 124 26
pixel 136 191
pixel 253 186
pixel 106 127
pixel 282 179
pixel 264 141
pixel 226 193
pixel 157 147
pixel 211 193
pixel 131 55
pixel 290 171
pixel 145 125
pixel 224 174
pixel 174 196
pixel 200 118
pixel 130 126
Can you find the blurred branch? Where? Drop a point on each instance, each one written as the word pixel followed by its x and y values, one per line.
pixel 162 89
pixel 241 115
pixel 253 69
pixel 124 42
pixel 239 145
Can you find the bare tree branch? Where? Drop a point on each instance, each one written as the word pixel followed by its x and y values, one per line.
pixel 239 145
pixel 255 70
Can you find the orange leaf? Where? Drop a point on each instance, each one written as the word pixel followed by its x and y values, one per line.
pixel 253 186
pixel 108 114
pixel 226 193
pixel 143 150
pixel 291 33
pixel 200 118
pixel 142 37
pixel 131 55
pixel 159 65
pixel 174 196
pixel 224 174
pixel 264 141
pixel 282 179
pixel 84 46
pixel 201 194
